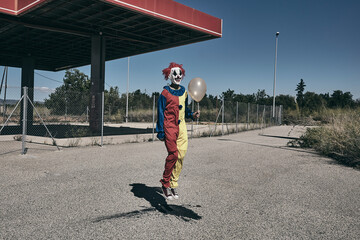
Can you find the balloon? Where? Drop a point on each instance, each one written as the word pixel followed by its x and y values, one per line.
pixel 197 89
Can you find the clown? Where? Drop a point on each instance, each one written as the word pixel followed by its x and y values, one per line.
pixel 171 127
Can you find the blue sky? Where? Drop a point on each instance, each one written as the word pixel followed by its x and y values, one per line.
pixel 318 42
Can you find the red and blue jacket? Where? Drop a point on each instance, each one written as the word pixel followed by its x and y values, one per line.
pixel 172 111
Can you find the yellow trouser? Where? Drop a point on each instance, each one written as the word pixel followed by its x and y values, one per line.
pixel 182 144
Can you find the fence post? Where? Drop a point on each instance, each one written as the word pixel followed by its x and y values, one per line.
pixel 248 116
pixel 280 114
pixel 24 121
pixel 223 116
pixel 271 110
pixel 65 106
pixel 216 121
pixel 6 86
pixel 102 117
pixel 237 115
pixel 153 139
pixel 257 115
pixel 264 116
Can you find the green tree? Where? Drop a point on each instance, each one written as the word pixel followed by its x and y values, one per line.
pixel 286 101
pixel 357 103
pixel 340 99
pixel 206 102
pixel 139 100
pixel 300 93
pixel 228 95
pixel 112 100
pixel 214 101
pixel 326 98
pixel 313 102
pixel 262 98
pixel 73 96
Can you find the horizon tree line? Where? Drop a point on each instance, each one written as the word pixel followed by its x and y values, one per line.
pixel 73 97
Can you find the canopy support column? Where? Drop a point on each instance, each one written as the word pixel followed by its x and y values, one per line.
pixel 97 80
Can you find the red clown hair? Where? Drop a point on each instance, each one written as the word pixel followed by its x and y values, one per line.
pixel 166 71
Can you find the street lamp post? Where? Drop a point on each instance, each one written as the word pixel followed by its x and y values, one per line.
pixel 276 44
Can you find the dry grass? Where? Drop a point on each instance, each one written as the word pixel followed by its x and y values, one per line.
pixel 339 138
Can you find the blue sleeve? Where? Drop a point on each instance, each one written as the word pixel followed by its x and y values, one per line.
pixel 161 104
pixel 188 113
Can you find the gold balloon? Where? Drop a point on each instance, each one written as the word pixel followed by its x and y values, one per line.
pixel 197 89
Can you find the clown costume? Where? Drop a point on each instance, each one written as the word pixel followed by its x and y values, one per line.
pixel 171 127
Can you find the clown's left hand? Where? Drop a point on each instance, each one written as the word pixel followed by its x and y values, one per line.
pixel 196 114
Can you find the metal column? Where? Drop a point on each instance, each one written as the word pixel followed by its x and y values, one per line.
pixel 27 80
pixel 97 80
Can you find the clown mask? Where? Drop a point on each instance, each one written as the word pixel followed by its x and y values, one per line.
pixel 176 75
pixel 175 72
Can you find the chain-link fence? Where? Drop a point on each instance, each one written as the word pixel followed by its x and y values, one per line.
pixel 68 118
pixel 231 116
pixel 10 140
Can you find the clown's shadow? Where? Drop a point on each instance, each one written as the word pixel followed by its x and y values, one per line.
pixel 158 203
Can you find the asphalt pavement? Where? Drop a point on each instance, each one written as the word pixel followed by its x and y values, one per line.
pixel 249 185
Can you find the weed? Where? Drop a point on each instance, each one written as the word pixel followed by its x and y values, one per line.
pixel 18 138
pixel 339 139
pixel 95 141
pixel 74 142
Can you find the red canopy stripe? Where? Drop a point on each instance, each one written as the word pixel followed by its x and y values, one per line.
pixel 16 7
pixel 175 12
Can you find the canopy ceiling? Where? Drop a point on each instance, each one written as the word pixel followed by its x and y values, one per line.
pixel 57 33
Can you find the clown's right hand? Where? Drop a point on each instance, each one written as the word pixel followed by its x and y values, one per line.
pixel 196 115
pixel 161 136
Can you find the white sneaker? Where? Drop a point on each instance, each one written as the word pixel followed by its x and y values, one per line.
pixel 167 193
pixel 174 193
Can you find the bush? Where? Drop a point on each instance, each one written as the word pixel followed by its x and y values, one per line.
pixel 339 139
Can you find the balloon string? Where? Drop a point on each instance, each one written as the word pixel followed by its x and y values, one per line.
pixel 197 120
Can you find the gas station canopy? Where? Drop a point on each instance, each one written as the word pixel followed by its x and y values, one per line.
pixel 57 33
